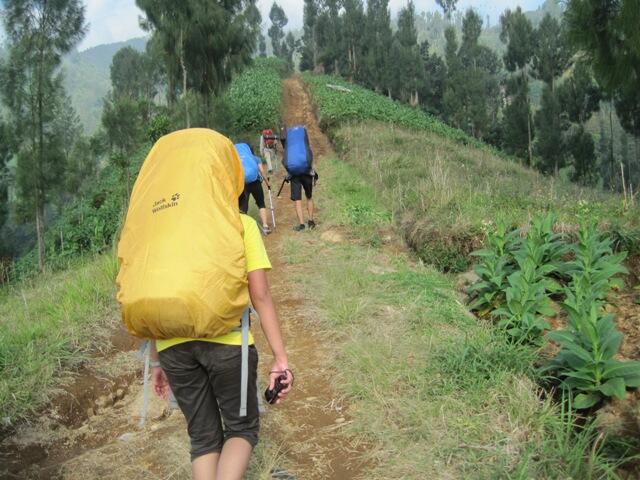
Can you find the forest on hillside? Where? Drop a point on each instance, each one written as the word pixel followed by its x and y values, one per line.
pixel 543 87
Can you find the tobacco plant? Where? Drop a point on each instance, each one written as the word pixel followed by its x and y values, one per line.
pixel 495 265
pixel 586 363
pixel 527 304
pixel 546 250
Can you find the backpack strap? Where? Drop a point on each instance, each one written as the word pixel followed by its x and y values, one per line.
pixel 244 369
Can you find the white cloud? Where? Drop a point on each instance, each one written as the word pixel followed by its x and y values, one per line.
pixel 111 21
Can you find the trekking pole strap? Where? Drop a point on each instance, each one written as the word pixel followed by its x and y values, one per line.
pixel 244 373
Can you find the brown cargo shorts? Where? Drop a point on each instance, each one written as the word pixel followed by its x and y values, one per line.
pixel 205 379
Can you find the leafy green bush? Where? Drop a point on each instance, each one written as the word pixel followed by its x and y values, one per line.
pixel 254 96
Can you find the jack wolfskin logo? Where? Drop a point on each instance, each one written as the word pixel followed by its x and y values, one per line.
pixel 162 204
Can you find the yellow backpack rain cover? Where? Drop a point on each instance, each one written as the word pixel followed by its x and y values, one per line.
pixel 182 263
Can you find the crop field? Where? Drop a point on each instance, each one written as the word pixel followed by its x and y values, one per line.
pixel 255 96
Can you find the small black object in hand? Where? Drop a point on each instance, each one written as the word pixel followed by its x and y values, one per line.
pixel 272 395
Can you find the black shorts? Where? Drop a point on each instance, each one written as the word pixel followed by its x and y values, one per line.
pixel 298 182
pixel 205 379
pixel 254 189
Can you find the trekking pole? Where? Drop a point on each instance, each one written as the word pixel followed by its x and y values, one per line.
pixel 145 350
pixel 273 215
pixel 281 187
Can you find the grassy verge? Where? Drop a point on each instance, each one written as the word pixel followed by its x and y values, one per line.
pixel 47 326
pixel 437 393
pixel 444 194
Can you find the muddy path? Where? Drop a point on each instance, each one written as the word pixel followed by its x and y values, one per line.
pixel 92 428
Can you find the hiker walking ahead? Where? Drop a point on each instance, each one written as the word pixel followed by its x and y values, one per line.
pixel 253 177
pixel 268 148
pixel 298 160
pixel 189 263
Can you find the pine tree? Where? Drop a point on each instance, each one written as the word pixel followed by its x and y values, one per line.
pixel 434 80
pixel 471 97
pixel 516 117
pixel 580 146
pixel 579 98
pixel 262 46
pixel 378 42
pixel 550 142
pixel 409 72
pixel 308 60
pixel 551 55
pixel 447 6
pixel 607 33
pixel 517 32
pixel 276 31
pixel 39 33
pixel 353 34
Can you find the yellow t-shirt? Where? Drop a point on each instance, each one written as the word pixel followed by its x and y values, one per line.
pixel 257 259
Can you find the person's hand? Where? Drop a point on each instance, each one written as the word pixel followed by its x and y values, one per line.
pixel 160 383
pixel 281 368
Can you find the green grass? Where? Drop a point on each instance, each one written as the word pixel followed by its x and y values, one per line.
pixel 444 194
pixel 435 392
pixel 48 326
pixel 336 107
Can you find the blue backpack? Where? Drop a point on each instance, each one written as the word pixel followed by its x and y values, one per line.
pixel 297 157
pixel 249 162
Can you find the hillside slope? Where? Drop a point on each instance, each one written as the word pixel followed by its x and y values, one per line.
pixel 87 79
pixel 443 186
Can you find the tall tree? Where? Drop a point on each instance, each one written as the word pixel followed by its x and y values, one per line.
pixel 309 58
pixel 276 32
pixel 550 144
pixel 329 37
pixel 353 34
pixel 209 50
pixel 471 97
pixel 378 41
pixel 39 33
pixel 607 32
pixel 518 34
pixel 580 147
pixel 552 53
pixel 434 80
pixel 290 47
pixel 262 46
pixel 409 69
pixel 447 6
pixel 6 150
pixel 579 98
pixel 516 118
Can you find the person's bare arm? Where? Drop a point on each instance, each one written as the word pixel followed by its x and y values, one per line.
pixel 263 303
pixel 263 174
pixel 158 377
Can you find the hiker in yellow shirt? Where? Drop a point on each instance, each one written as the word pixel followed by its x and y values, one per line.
pixel 205 371
pixel 198 290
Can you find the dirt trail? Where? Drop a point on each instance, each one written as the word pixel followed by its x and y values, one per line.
pixel 103 438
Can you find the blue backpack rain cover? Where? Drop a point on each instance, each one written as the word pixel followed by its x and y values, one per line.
pixel 249 162
pixel 297 154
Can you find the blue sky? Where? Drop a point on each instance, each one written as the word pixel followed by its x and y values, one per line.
pixel 117 20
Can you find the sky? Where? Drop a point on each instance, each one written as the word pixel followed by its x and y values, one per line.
pixel 117 20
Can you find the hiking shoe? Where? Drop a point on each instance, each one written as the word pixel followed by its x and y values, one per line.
pixel 266 230
pixel 298 228
pixel 311 224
